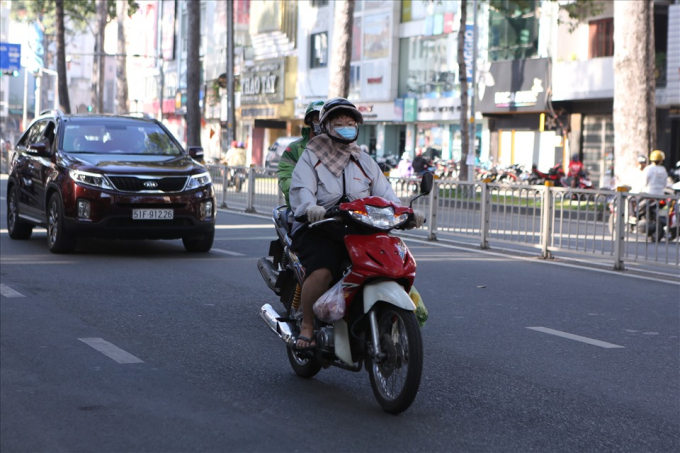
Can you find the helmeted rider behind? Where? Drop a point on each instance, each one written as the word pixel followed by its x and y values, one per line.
pixel 655 176
pixel 331 170
pixel 293 151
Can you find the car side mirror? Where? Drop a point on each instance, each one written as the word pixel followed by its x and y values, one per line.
pixel 39 149
pixel 196 153
pixel 426 183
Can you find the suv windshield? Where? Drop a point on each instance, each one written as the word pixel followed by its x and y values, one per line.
pixel 117 137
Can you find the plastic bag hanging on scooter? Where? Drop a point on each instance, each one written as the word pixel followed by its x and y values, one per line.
pixel 330 307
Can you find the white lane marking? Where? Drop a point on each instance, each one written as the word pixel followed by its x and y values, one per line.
pixel 35 230
pixel 571 336
pixel 226 252
pixel 8 292
pixel 111 350
pixel 243 227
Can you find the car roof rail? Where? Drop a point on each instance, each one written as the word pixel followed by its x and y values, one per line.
pixel 52 111
pixel 144 115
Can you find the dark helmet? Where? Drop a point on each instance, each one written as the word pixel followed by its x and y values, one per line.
pixel 312 108
pixel 575 157
pixel 337 105
pixel 334 107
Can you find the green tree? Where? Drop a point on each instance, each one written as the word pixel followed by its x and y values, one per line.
pixel 78 13
pixel 193 74
pixel 634 86
pixel 342 48
pixel 64 101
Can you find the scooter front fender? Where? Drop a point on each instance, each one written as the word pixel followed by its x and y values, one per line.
pixel 387 291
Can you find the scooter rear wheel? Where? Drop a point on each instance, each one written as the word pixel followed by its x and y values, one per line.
pixel 396 378
pixel 303 365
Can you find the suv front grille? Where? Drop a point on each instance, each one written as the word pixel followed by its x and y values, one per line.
pixel 134 184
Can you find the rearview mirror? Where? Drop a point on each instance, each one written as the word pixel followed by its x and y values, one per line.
pixel 39 148
pixel 196 153
pixel 426 183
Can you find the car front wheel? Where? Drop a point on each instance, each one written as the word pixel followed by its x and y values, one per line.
pixel 201 245
pixel 16 228
pixel 58 240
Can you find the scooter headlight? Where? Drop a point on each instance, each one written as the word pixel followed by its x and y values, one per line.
pixel 381 218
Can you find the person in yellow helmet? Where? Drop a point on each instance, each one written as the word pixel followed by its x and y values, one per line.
pixel 655 176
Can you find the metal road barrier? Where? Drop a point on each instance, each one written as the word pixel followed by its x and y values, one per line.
pixel 551 219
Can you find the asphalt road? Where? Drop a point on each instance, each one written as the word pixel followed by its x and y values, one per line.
pixel 503 371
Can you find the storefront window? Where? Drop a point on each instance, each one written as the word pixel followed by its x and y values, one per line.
pixel 430 140
pixel 513 29
pixel 356 39
pixel 428 67
pixel 355 82
pixel 319 54
pixel 598 147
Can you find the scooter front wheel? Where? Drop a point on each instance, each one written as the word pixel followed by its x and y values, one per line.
pixel 396 378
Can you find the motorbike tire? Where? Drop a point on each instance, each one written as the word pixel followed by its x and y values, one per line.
pixel 403 361
pixel 303 366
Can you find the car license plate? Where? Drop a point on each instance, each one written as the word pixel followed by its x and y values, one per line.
pixel 152 214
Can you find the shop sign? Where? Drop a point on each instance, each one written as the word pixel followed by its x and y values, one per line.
pixel 180 102
pixel 410 109
pixel 468 50
pixel 263 83
pixel 267 112
pixel 444 109
pixel 520 86
pixel 381 111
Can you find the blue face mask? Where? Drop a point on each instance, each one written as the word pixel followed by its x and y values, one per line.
pixel 348 133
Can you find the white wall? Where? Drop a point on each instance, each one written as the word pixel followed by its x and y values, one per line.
pixel 312 83
pixel 589 79
pixel 574 46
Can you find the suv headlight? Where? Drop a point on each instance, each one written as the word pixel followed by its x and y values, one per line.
pixel 199 180
pixel 90 179
pixel 381 218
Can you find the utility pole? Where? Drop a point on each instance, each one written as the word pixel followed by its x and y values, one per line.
pixel 25 117
pixel 160 67
pixel 473 95
pixel 231 116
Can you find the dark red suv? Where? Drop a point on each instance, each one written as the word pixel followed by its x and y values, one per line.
pixel 108 177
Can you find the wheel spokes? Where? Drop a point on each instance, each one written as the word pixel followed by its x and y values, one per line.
pixel 12 211
pixel 391 373
pixel 52 223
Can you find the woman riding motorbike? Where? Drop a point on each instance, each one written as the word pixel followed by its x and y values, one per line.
pixel 331 170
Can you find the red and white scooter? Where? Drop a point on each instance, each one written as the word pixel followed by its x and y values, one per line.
pixel 378 326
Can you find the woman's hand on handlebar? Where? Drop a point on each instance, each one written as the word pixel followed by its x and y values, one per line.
pixel 416 220
pixel 315 213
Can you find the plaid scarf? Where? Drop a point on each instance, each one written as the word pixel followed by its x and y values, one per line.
pixel 334 156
